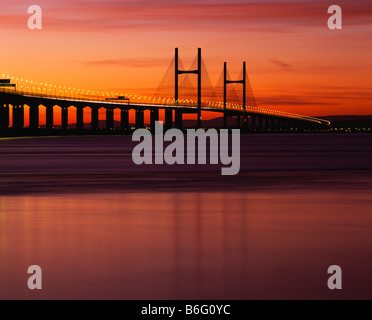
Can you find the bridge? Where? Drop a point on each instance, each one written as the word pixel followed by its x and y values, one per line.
pixel 21 102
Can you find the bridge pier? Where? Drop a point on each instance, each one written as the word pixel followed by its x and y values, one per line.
pixel 109 119
pixel 178 119
pixel 94 118
pixel 253 123
pixel 285 125
pixel 288 125
pixel 49 117
pixel 273 124
pixel 64 124
pixel 154 116
pixel 168 119
pixel 18 117
pixel 282 125
pixel 238 122
pixel 34 117
pixel 140 123
pixel 278 127
pixel 124 119
pixel 79 118
pixel 266 125
pixel 260 124
pixel 269 124
pixel 4 117
pixel 245 123
pixel 296 125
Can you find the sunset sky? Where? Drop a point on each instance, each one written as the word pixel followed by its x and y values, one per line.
pixel 295 62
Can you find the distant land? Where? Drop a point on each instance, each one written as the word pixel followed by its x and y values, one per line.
pixel 349 121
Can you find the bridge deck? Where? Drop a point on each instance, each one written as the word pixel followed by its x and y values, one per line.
pixel 24 98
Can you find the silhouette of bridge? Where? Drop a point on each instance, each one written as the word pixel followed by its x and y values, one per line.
pixel 21 101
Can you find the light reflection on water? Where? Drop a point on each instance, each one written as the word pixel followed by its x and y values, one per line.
pixel 187 245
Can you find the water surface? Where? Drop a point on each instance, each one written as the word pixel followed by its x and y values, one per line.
pixel 101 227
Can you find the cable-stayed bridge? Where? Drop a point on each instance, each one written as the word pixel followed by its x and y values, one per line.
pixel 28 107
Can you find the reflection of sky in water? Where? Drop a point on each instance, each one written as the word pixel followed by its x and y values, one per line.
pixel 187 245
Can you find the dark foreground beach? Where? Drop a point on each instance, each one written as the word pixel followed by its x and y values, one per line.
pixel 102 227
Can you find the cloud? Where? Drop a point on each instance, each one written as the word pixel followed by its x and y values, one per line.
pixel 281 64
pixel 293 101
pixel 127 62
pixel 168 15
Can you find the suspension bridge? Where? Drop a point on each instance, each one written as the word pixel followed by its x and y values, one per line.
pixel 33 108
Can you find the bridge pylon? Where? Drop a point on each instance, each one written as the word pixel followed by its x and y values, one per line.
pixel 225 83
pixel 198 72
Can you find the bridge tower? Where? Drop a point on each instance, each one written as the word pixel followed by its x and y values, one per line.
pixel 198 73
pixel 225 83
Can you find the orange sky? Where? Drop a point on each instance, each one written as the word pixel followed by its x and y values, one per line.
pixel 295 62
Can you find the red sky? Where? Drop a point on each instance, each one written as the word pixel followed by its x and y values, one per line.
pixel 295 62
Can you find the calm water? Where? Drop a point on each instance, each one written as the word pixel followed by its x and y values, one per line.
pixel 102 228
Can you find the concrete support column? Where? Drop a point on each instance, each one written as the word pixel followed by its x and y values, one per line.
pixel 34 117
pixel 245 123
pixel 178 118
pixel 168 119
pixel 80 118
pixel 253 124
pixel 124 119
pixel 94 118
pixel 15 117
pixel 260 125
pixel 279 125
pixel 64 118
pixel 18 117
pixel 22 116
pixel 109 119
pixel 139 119
pixel 238 122
pixel 49 117
pixel 296 125
pixel 273 124
pixel 154 116
pixel 4 116
pixel 285 125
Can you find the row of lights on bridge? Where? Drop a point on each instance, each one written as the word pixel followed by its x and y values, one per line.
pixel 91 94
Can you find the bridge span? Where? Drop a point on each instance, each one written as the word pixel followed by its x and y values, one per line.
pixel 20 110
pixel 12 116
